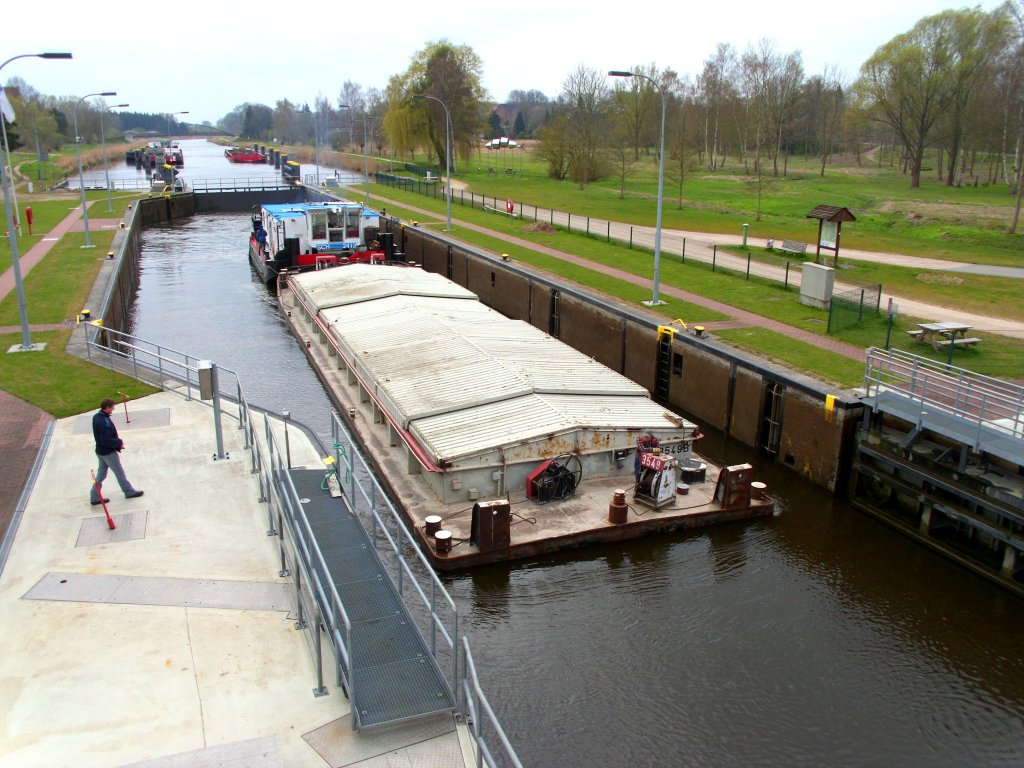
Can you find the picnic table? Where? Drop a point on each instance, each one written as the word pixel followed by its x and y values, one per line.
pixel 944 335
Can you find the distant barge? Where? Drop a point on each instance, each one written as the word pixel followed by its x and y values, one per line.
pixel 498 441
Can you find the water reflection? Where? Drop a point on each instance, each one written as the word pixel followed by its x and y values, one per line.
pixel 203 160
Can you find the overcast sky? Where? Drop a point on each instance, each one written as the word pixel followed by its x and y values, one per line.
pixel 207 58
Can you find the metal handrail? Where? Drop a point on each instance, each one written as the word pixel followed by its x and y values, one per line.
pixel 976 398
pixel 139 357
pixel 373 498
pixel 244 183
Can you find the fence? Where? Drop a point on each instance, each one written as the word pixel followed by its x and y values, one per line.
pixel 848 308
pixel 604 229
pixel 433 609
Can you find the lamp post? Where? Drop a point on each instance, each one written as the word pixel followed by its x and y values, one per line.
pixel 316 148
pixel 655 300
pixel 366 156
pixel 78 153
pixel 103 141
pixel 447 153
pixel 169 116
pixel 12 236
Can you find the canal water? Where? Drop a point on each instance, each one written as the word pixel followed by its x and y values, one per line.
pixel 816 638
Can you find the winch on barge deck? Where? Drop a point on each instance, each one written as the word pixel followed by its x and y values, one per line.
pixel 498 441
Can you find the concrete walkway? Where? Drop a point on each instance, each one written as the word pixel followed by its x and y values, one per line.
pixel 169 641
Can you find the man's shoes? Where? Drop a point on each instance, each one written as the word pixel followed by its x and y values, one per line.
pixel 133 495
pixel 97 503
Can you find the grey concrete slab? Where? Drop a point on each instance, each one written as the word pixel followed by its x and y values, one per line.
pixel 251 753
pixel 152 590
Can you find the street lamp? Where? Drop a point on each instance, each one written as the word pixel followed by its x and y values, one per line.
pixel 103 141
pixel 655 301
pixel 447 152
pixel 12 236
pixel 78 152
pixel 169 116
pixel 316 148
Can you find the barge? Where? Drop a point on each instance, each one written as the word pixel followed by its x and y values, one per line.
pixel 497 441
pixel 306 236
pixel 244 155
pixel 940 457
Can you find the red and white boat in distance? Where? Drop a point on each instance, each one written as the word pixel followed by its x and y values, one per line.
pixel 244 155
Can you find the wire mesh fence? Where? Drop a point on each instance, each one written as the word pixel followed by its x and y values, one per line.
pixel 849 308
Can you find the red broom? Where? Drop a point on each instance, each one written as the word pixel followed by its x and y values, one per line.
pixel 110 520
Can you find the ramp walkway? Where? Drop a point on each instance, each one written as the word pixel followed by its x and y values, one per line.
pixel 392 673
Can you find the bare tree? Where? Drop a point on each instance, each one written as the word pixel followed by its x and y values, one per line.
pixel 585 99
pixel 713 86
pixel 831 106
pixel 636 100
pixel 351 102
pixel 1015 75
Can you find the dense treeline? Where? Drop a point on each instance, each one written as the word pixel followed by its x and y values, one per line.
pixel 49 121
pixel 951 87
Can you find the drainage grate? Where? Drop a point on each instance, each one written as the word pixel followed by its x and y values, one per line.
pixel 130 526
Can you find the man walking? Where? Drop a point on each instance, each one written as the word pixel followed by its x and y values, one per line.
pixel 108 449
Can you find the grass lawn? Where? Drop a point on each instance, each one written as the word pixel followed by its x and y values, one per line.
pixel 60 384
pixel 961 224
pixel 997 355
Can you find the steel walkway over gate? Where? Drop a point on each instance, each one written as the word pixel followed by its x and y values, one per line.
pixel 392 674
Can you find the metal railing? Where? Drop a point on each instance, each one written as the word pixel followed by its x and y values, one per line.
pixel 242 184
pixel 408 565
pixel 317 602
pixel 978 399
pixel 674 246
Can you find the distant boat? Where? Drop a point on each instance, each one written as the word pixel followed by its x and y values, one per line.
pixel 243 155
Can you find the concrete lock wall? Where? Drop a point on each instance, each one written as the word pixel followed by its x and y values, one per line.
pixel 713 384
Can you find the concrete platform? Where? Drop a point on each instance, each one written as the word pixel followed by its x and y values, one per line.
pixel 168 641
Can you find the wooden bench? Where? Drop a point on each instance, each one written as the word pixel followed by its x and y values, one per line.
pixel 916 335
pixel 967 341
pixel 792 246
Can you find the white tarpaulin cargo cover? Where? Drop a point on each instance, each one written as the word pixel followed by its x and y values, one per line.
pixel 467 381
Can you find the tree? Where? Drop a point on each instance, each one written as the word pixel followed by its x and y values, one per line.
pixel 532 97
pixel 1013 75
pixel 682 139
pixel 621 150
pixel 452 74
pixel 519 127
pixel 977 40
pixel 288 124
pixel 908 84
pixel 637 101
pixel 714 88
pixel 553 145
pixel 585 100
pixel 825 101
pixel 257 121
pixel 494 125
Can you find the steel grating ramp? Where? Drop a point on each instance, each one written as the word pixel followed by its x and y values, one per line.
pixel 394 676
pixel 977 434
